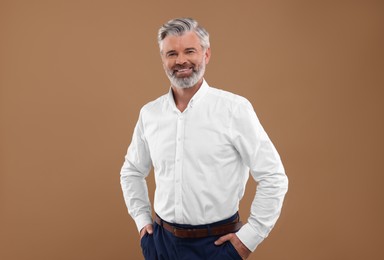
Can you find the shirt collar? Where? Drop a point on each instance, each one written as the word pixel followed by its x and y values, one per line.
pixel 198 95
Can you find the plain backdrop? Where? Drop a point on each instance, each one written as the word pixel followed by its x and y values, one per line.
pixel 74 75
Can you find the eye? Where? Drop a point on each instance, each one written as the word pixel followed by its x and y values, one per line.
pixel 190 51
pixel 171 54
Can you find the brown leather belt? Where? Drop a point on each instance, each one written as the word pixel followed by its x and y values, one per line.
pixel 200 232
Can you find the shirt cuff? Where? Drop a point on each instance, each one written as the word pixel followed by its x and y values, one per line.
pixel 143 220
pixel 249 237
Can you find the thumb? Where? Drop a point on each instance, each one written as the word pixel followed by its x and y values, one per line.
pixel 222 239
pixel 150 229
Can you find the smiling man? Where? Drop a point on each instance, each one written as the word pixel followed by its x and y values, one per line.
pixel 202 143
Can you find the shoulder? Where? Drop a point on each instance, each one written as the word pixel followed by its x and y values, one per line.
pixel 227 98
pixel 154 105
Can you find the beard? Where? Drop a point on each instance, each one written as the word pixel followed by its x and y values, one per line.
pixel 186 82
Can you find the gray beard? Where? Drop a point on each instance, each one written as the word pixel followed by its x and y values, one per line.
pixel 187 82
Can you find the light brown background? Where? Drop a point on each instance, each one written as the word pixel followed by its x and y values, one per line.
pixel 74 75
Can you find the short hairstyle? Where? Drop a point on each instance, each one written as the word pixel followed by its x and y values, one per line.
pixel 179 26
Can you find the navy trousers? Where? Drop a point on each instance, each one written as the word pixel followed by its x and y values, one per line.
pixel 163 245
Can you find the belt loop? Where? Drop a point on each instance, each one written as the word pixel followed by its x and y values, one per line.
pixel 160 219
pixel 209 230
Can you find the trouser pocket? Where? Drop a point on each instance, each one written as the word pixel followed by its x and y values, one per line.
pixel 148 247
pixel 228 251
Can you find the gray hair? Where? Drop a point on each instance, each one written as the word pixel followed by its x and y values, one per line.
pixel 179 26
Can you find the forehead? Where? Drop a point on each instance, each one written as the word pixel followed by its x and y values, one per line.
pixel 176 42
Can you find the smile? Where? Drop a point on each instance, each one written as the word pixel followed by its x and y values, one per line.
pixel 183 71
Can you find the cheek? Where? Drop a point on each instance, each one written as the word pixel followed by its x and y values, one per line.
pixel 167 64
pixel 168 69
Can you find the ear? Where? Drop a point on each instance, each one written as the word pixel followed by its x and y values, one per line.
pixel 207 55
pixel 161 56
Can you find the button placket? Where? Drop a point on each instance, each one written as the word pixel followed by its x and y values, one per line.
pixel 178 167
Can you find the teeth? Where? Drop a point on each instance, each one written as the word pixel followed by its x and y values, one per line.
pixel 182 70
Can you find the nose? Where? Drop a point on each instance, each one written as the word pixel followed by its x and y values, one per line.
pixel 181 59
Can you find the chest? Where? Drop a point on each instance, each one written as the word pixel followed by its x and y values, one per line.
pixel 201 134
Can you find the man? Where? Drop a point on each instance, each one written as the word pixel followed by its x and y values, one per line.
pixel 202 143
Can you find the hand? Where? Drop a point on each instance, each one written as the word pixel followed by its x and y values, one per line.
pixel 243 251
pixel 146 229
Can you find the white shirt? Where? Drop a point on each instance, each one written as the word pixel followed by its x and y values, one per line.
pixel 202 158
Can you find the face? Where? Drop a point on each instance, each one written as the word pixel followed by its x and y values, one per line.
pixel 184 59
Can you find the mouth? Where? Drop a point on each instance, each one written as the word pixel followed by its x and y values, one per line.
pixel 183 71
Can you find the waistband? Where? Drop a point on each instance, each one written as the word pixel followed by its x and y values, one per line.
pixel 230 225
pixel 234 217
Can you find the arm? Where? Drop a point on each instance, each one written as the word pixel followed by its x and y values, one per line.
pixel 136 168
pixel 259 154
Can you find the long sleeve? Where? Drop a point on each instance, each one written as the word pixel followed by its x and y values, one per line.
pixel 135 169
pixel 259 154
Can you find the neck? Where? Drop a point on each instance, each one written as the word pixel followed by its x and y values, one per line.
pixel 182 96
